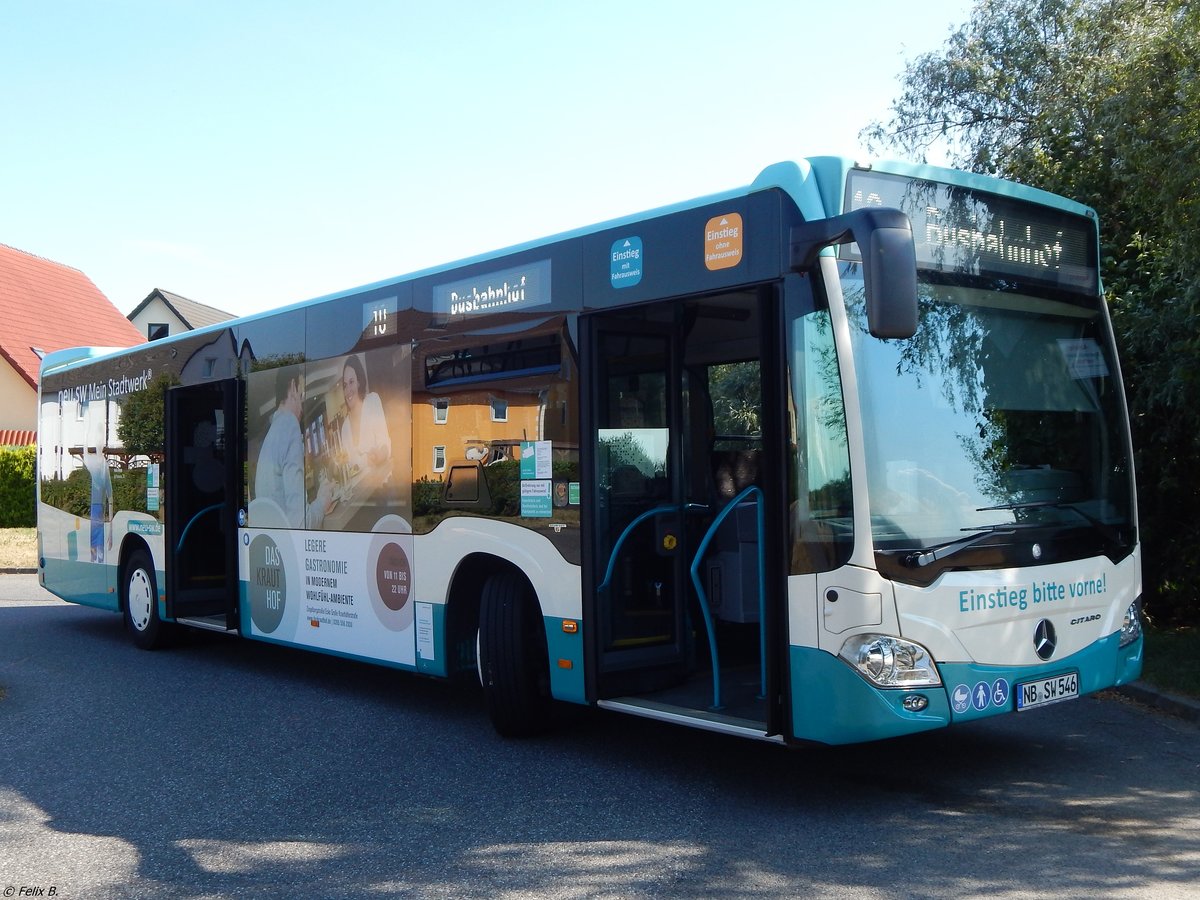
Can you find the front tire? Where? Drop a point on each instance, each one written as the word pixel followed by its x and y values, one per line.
pixel 139 598
pixel 513 662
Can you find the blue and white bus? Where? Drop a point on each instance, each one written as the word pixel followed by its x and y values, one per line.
pixel 838 456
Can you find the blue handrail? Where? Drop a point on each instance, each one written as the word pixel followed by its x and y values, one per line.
pixel 657 510
pixel 701 595
pixel 192 521
pixel 762 602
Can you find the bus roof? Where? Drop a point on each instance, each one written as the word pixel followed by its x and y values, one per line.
pixel 815 184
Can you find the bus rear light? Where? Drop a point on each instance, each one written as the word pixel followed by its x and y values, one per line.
pixel 890 662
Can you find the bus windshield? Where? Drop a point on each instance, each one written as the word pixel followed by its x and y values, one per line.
pixel 1001 417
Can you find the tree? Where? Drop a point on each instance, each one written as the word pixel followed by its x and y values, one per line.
pixel 1098 100
pixel 736 398
pixel 140 428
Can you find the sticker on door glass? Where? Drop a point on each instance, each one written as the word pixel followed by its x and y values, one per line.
pixel 1084 358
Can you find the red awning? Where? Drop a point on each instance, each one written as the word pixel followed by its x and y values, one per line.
pixel 16 437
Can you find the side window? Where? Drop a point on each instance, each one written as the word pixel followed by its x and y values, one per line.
pixel 509 448
pixel 820 502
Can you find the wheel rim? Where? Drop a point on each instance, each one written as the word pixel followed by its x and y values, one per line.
pixel 139 598
pixel 479 661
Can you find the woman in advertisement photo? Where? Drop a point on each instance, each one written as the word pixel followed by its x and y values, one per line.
pixel 364 433
pixel 279 473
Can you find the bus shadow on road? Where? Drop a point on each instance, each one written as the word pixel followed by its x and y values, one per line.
pixel 237 765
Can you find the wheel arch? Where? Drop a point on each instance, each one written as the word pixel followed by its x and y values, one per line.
pixel 131 545
pixel 463 602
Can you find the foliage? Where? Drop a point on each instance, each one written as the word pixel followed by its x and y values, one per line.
pixel 503 483
pixel 275 361
pixel 140 428
pixel 834 498
pixel 1098 100
pixel 17 497
pixel 426 497
pixel 736 392
pixel 626 450
pixel 1173 660
pixel 504 487
pixel 74 493
pixel 129 489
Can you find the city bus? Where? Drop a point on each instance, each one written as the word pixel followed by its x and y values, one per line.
pixel 839 456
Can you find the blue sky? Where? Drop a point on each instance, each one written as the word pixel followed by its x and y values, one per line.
pixel 251 154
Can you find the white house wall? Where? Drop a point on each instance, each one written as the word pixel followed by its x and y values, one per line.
pixel 19 409
pixel 158 312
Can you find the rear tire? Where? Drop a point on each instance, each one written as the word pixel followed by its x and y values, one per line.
pixel 139 599
pixel 513 662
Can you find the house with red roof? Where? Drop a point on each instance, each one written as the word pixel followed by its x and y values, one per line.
pixel 46 306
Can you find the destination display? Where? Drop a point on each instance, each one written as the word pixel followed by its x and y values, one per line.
pixel 961 231
pixel 506 291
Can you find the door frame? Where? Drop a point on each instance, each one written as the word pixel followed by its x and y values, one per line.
pixel 218 524
pixel 647 665
pixel 771 341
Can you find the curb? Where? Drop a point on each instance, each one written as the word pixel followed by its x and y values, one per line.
pixel 19 571
pixel 1183 707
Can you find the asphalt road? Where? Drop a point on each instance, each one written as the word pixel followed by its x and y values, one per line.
pixel 225 768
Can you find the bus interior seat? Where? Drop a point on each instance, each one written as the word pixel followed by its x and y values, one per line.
pixel 734 471
pixel 628 481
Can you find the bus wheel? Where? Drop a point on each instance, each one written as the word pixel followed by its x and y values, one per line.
pixel 513 663
pixel 139 597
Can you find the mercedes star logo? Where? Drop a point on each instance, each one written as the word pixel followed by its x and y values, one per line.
pixel 1044 639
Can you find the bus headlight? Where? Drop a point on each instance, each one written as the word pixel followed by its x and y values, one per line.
pixel 1131 628
pixel 890 662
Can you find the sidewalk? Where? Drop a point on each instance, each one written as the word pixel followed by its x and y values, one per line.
pixel 1183 707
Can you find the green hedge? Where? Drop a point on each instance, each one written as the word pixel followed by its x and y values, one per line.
pixel 74 493
pixel 17 497
pixel 504 489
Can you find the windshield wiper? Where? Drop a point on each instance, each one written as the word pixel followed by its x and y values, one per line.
pixel 929 555
pixel 1105 530
pixel 922 558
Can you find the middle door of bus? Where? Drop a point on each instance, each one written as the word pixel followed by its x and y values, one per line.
pixel 676 425
pixel 203 483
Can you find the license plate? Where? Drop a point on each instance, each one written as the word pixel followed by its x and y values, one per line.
pixel 1031 694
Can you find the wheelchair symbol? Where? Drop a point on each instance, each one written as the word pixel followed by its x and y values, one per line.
pixel 1000 692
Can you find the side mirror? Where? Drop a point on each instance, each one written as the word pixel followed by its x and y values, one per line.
pixel 889 260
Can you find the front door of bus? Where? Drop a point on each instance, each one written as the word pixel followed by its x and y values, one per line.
pixel 676 421
pixel 202 486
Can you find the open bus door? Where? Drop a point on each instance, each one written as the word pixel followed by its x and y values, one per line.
pixel 203 486
pixel 684 615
